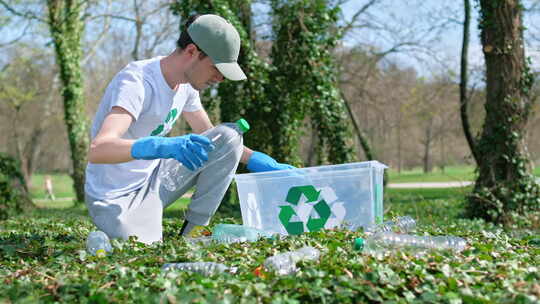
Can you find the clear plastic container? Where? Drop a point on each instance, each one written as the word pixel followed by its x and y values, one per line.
pixel 98 244
pixel 204 268
pixel 385 242
pixel 170 178
pixel 310 199
pixel 404 224
pixel 285 263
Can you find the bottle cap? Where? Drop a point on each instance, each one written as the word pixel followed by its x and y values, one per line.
pixel 242 125
pixel 359 244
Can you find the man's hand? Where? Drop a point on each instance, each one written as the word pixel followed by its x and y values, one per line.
pixel 260 162
pixel 191 150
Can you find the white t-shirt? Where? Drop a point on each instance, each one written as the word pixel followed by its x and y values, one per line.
pixel 140 89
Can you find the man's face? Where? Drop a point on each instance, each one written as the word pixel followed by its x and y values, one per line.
pixel 202 73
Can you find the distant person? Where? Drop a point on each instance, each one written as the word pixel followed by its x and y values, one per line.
pixel 123 189
pixel 49 193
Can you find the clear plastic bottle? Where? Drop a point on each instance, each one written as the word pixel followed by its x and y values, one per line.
pixel 171 177
pixel 402 224
pixel 204 268
pixel 383 242
pixel 201 240
pixel 98 244
pixel 230 233
pixel 285 263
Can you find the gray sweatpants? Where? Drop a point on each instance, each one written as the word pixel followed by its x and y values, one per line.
pixel 140 212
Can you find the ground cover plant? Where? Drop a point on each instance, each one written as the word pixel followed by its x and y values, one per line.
pixel 42 259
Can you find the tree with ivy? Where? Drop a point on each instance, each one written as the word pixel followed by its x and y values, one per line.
pixel 66 25
pixel 304 81
pixel 65 21
pixel 505 190
pixel 274 90
pixel 14 197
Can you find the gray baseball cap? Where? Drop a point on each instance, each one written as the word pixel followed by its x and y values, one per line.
pixel 220 41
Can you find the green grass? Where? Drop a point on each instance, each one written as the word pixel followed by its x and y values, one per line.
pixel 450 174
pixel 62 186
pixel 42 259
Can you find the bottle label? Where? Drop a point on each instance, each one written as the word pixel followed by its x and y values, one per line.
pixel 101 253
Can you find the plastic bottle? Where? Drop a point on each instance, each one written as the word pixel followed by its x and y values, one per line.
pixel 403 224
pixel 98 244
pixel 285 263
pixel 229 233
pixel 171 177
pixel 383 242
pixel 201 240
pixel 204 268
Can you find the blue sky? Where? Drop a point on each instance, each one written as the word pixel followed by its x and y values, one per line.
pixel 408 16
pixel 409 20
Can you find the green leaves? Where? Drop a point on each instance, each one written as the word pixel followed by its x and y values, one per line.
pixel 43 257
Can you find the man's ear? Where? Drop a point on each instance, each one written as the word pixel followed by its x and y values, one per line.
pixel 191 50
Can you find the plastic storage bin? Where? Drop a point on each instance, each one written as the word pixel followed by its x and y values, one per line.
pixel 310 199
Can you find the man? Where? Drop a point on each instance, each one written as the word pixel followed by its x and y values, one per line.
pixel 124 193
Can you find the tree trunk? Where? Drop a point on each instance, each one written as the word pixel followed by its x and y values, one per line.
pixel 505 191
pixel 362 138
pixel 14 198
pixel 67 27
pixel 399 147
pixel 18 138
pixel 463 96
pixel 427 145
pixel 312 153
pixel 34 145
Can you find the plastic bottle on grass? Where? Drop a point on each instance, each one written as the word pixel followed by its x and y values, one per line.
pixel 204 268
pixel 384 242
pixel 170 178
pixel 402 224
pixel 230 233
pixel 285 263
pixel 201 240
pixel 98 244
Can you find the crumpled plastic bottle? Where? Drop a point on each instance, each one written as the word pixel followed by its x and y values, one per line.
pixel 402 224
pixel 230 233
pixel 98 244
pixel 382 243
pixel 204 268
pixel 285 263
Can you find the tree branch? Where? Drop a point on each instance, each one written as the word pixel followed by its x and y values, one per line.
pixel 26 15
pixel 348 26
pixel 18 38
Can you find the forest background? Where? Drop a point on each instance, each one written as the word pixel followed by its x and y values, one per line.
pixel 397 66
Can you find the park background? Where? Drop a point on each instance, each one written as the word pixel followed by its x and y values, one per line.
pixel 396 66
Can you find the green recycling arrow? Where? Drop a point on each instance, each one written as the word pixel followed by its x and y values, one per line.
pixel 295 193
pixel 293 197
pixel 324 212
pixel 285 216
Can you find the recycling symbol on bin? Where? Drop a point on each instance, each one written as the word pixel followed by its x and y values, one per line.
pixel 293 197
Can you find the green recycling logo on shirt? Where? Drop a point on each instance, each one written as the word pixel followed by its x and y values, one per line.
pixel 293 197
pixel 164 128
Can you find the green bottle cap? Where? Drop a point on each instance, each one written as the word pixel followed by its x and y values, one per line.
pixel 359 244
pixel 242 125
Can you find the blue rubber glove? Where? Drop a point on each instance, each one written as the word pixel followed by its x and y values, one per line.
pixel 191 150
pixel 260 162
